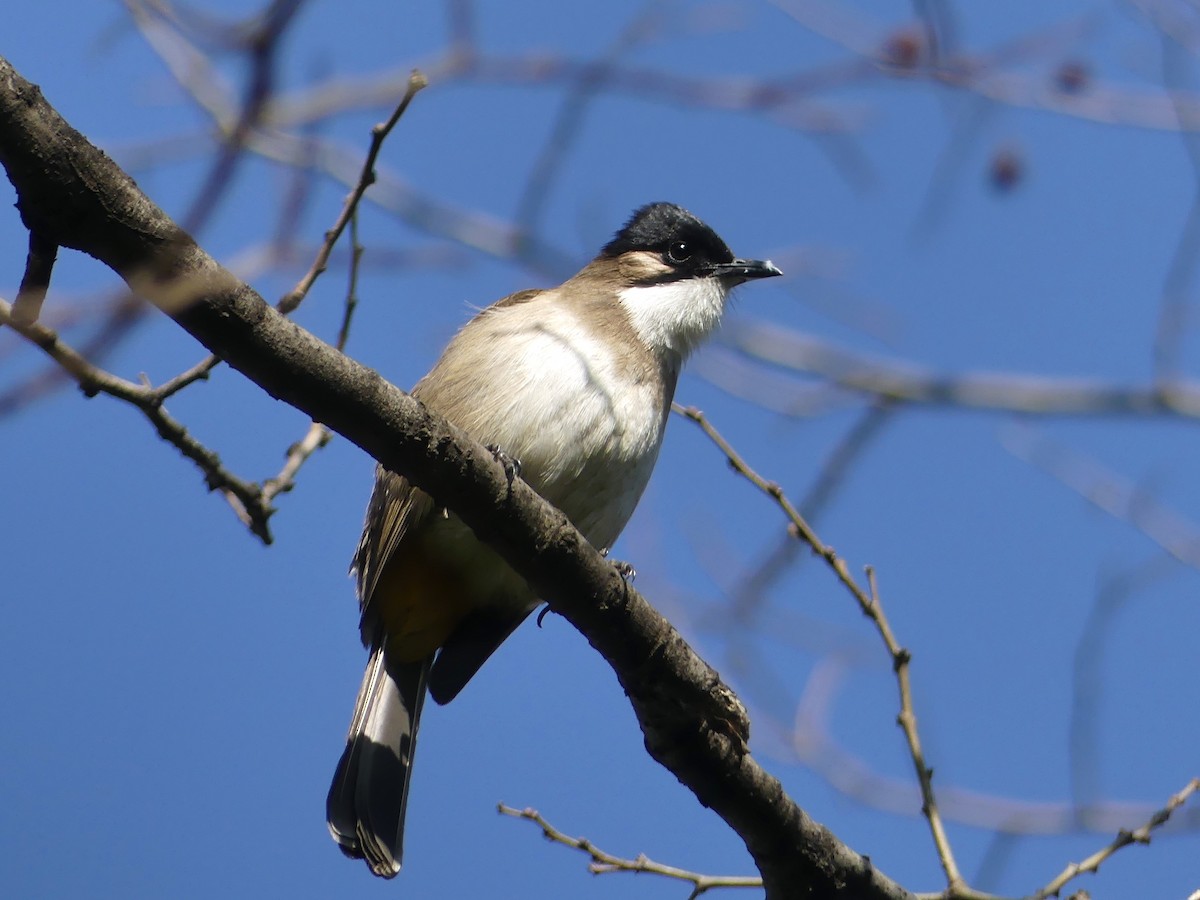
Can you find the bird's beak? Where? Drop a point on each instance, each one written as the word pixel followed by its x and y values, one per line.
pixel 740 270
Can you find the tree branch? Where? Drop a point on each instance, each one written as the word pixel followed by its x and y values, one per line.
pixel 869 604
pixel 900 382
pixel 71 193
pixel 604 863
pixel 250 503
pixel 1123 839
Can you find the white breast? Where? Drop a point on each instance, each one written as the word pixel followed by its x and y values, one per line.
pixel 585 425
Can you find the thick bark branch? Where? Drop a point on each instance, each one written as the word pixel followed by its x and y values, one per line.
pixel 73 195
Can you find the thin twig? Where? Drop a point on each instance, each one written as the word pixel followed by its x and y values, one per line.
pixel 809 737
pixel 1114 592
pixel 39 264
pixel 1110 492
pixel 907 720
pixel 261 45
pixel 198 372
pixel 193 70
pixel 356 257
pixel 1177 289
pixel 901 659
pixel 830 477
pixel 1003 76
pixel 904 382
pixel 298 454
pixel 871 607
pixel 461 24
pixel 367 177
pixel 245 497
pixel 1123 839
pixel 568 124
pixel 318 435
pixel 250 503
pixel 604 863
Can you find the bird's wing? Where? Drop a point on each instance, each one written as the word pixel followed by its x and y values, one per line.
pixel 396 509
pixel 477 637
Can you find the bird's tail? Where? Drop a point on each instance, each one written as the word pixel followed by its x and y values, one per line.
pixel 365 808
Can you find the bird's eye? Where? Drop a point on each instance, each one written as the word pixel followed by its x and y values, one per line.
pixel 679 252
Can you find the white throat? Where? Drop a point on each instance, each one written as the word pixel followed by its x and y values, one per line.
pixel 677 316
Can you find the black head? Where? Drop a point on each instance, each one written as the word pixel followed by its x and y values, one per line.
pixel 686 247
pixel 684 243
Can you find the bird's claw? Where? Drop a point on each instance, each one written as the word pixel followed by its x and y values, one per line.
pixel 627 571
pixel 512 465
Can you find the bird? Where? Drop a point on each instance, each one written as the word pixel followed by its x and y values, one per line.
pixel 572 385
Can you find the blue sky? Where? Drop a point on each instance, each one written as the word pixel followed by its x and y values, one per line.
pixel 176 694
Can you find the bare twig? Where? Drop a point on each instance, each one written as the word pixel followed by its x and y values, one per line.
pixel 39 264
pixel 461 22
pixel 318 435
pixel 1002 74
pixel 367 177
pixel 245 497
pixel 907 720
pixel 198 372
pixel 298 454
pixel 832 475
pixel 1113 593
pixel 204 84
pixel 261 44
pixel 1174 305
pixel 1123 839
pixel 809 738
pixel 903 382
pixel 1111 493
pixel 569 121
pixel 251 503
pixel 604 863
pixel 158 23
pixel 356 257
pixel 871 607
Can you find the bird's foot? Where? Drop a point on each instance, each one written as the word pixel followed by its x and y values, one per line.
pixel 512 465
pixel 627 571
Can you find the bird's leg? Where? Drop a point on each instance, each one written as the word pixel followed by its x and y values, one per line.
pixel 627 571
pixel 512 465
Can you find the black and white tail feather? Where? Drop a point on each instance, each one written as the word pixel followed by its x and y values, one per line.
pixel 369 794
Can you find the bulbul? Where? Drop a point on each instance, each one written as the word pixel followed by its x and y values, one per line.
pixel 574 383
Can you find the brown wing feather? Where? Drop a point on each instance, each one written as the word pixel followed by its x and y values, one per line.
pixel 396 509
pixel 397 513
